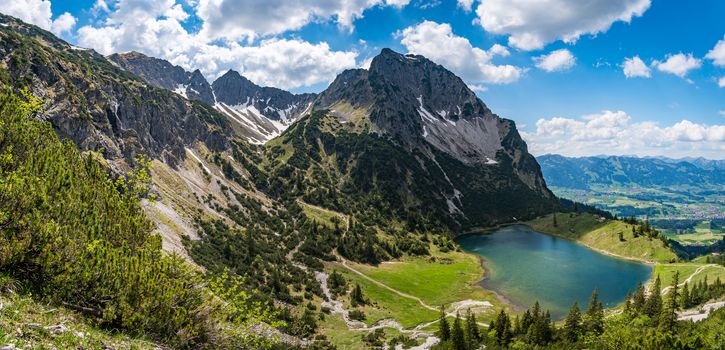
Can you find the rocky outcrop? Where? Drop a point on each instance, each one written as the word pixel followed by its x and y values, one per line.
pixel 233 90
pixel 420 105
pixel 165 75
pixel 255 113
pixel 99 106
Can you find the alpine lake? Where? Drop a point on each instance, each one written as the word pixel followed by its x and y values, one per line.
pixel 524 266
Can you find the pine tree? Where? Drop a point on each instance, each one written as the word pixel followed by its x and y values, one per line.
pixel 526 321
pixel 503 329
pixel 653 305
pixel 594 317
pixel 356 296
pixel 458 337
pixel 555 223
pixel 685 297
pixel 639 298
pixel 628 301
pixel 472 335
pixel 572 324
pixel 668 317
pixel 444 331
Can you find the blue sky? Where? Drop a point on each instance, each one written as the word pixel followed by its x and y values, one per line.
pixel 555 67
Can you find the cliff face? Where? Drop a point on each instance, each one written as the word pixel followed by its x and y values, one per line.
pixel 100 106
pixel 256 113
pixel 421 105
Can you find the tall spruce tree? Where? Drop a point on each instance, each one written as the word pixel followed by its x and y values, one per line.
pixel 472 335
pixel 444 330
pixel 503 329
pixel 639 299
pixel 458 337
pixel 594 316
pixel 572 324
pixel 685 297
pixel 668 317
pixel 653 305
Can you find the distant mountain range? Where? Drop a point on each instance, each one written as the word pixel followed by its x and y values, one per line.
pixel 583 172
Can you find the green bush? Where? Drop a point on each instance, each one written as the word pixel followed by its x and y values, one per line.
pixel 80 239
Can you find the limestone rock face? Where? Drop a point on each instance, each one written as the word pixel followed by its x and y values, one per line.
pixel 422 105
pixel 100 106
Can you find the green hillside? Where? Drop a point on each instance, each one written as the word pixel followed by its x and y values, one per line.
pixel 603 235
pixel 72 237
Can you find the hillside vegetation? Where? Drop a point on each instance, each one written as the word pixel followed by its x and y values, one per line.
pixel 604 235
pixel 73 237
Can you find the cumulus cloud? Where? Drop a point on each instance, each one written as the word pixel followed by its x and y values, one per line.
pixel 721 82
pixel 466 5
pixel 240 19
pixel 437 42
pixel 614 132
pixel 555 61
pixel 532 24
pixel 679 64
pixel 717 54
pixel 635 67
pixel 38 12
pixel 155 28
pixel 63 24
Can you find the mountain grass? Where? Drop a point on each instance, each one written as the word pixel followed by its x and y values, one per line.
pixel 323 216
pixel 603 235
pixel 29 324
pixel 384 304
pixel 441 279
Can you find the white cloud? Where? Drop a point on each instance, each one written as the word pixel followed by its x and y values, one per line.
pixel 614 132
pixel 556 61
pixel 38 12
pixel 276 62
pixel 155 29
pixel 32 11
pixel 722 113
pixel 717 54
pixel 679 64
pixel 532 24
pixel 721 82
pixel 478 88
pixel 240 19
pixel 466 5
pixel 63 24
pixel 635 67
pixel 438 43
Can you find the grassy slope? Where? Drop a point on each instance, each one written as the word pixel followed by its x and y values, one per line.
pixel 436 282
pixel 667 271
pixel 23 322
pixel 603 236
pixel 386 304
pixel 323 216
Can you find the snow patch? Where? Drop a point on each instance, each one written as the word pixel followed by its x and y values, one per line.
pixel 490 161
pixel 181 90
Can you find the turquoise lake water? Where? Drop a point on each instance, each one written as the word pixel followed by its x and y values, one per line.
pixel 525 266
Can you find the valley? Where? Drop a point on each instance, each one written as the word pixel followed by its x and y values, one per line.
pixel 682 198
pixel 142 206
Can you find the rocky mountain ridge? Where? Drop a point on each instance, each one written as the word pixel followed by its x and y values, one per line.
pixel 256 113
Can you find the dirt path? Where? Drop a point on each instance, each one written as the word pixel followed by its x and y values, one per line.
pixel 695 315
pixel 689 279
pixel 337 307
pixel 457 306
